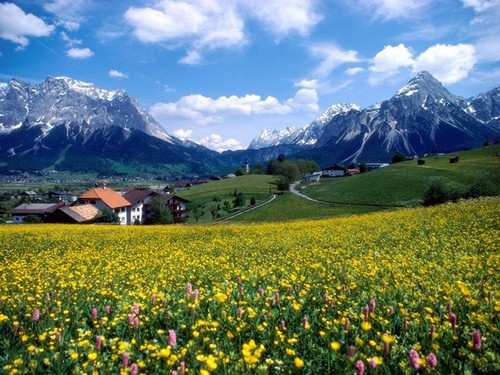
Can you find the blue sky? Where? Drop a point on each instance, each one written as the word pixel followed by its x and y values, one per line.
pixel 218 72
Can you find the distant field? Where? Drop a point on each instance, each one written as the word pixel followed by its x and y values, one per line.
pixel 403 184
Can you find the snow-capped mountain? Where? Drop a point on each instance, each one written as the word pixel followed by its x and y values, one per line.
pixel 422 117
pixel 270 138
pixel 67 124
pixel 60 100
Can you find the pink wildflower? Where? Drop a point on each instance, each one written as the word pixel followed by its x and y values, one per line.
pixel 453 320
pixel 125 360
pixel 153 298
pixel 98 343
pixel 351 351
pixel 373 303
pixel 431 333
pixel 189 288
pixel 432 360
pixel 304 322
pixel 196 294
pixel 367 313
pixel 36 315
pixel 372 364
pixel 182 368
pixel 94 314
pixel 413 359
pixel 58 336
pixel 240 312
pixel 282 325
pixel 172 338
pixel 261 292
pixel 134 369
pixel 135 309
pixel 359 367
pixel 476 340
pixel 391 310
pixel 277 296
pixel 107 309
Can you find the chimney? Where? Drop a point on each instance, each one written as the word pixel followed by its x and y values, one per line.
pixel 104 186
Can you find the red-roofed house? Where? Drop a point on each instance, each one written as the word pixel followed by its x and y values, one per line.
pixel 105 198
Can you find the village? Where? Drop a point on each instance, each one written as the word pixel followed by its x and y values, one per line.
pixel 129 206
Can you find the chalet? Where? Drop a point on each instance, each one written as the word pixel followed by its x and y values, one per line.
pixel 333 171
pixel 27 195
pixel 176 204
pixel 104 198
pixel 312 177
pixel 59 196
pixel 42 210
pixel 138 199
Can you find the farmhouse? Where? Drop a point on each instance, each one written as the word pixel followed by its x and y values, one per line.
pixel 27 195
pixel 176 204
pixel 312 177
pixel 83 214
pixel 138 198
pixel 104 198
pixel 333 171
pixel 42 210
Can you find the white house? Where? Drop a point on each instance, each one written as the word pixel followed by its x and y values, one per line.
pixel 138 199
pixel 333 171
pixel 105 198
pixel 312 177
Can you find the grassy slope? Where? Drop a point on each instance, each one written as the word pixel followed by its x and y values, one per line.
pixel 404 184
pixel 401 184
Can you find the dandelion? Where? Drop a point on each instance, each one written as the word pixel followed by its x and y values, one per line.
pixel 366 326
pixel 359 367
pixel 476 340
pixel 431 360
pixel 335 345
pixel 36 315
pixel 413 359
pixel 172 338
pixel 299 363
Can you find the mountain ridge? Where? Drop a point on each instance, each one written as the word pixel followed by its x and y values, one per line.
pixel 421 117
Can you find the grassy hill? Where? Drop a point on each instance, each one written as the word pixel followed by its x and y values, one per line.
pixel 401 184
pixel 404 184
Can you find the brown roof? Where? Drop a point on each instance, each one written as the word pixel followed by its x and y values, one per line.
pixel 82 213
pixel 36 208
pixel 134 196
pixel 108 196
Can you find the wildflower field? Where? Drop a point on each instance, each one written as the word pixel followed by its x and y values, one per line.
pixel 406 291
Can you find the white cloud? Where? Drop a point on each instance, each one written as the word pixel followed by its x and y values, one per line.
pixel 183 134
pixel 200 25
pixel 69 12
pixel 448 63
pixel 305 99
pixel 481 5
pixel 354 71
pixel 394 9
pixel 210 24
pixel 116 74
pixel 79 53
pixel 307 84
pixel 389 62
pixel 215 142
pixel 331 57
pixel 282 17
pixel 16 25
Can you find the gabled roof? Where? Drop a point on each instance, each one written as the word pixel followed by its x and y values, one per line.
pixel 108 196
pixel 36 208
pixel 81 214
pixel 134 196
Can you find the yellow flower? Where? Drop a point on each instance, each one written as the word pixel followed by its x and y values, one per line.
pixel 92 356
pixel 366 326
pixel 31 348
pixel 299 363
pixel 3 317
pixel 335 345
